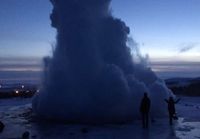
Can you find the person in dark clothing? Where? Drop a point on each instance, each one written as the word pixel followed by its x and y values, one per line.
pixel 171 108
pixel 144 109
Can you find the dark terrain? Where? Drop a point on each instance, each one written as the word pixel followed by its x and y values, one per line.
pixel 184 86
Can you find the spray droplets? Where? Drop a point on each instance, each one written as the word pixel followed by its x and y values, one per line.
pixel 91 77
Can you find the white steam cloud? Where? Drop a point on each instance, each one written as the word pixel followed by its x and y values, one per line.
pixel 92 77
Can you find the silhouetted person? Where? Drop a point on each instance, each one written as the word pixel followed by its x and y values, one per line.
pixel 171 108
pixel 1 126
pixel 144 109
pixel 26 135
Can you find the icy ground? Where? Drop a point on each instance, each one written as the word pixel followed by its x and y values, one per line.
pixel 16 114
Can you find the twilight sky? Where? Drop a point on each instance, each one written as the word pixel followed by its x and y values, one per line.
pixel 167 30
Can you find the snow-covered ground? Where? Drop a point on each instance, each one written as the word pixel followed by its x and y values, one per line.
pixel 15 113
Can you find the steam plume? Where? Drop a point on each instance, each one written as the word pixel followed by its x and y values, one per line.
pixel 92 77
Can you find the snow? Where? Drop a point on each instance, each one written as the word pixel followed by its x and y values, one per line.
pixel 15 113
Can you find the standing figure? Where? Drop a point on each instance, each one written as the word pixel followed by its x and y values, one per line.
pixel 171 108
pixel 144 109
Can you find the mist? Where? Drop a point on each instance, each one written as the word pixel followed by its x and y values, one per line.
pixel 93 76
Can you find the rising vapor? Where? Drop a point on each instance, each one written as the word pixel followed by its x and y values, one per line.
pixel 187 47
pixel 91 77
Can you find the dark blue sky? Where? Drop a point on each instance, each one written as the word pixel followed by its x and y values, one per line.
pixel 163 27
pixel 25 27
pixel 166 30
pixel 167 24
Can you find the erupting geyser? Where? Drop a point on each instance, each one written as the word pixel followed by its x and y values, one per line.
pixel 91 77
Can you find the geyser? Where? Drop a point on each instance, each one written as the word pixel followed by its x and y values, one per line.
pixel 91 77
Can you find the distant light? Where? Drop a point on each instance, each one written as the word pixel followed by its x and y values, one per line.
pixel 17 92
pixel 38 91
pixel 0 86
pixel 22 86
pixel 27 91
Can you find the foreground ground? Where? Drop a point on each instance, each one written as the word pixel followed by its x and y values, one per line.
pixel 15 113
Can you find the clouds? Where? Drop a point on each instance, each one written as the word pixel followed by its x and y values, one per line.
pixel 20 64
pixel 171 68
pixel 23 70
pixel 185 47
